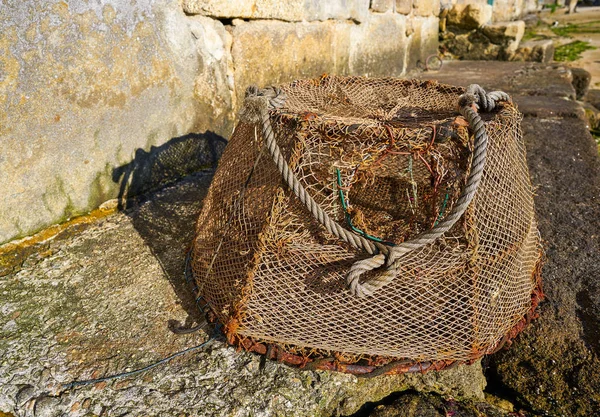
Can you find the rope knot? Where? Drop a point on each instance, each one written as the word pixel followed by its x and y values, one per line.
pixel 482 100
pixel 466 100
pixel 257 102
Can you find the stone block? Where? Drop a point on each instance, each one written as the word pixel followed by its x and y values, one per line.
pixel 581 81
pixel 593 97
pixel 423 40
pixel 292 11
pixel 427 8
pixel 469 16
pixel 382 6
pixel 271 52
pixel 531 6
pixel 86 86
pixel 213 87
pixel 592 115
pixel 535 50
pixel 531 20
pixel 379 46
pixel 404 6
pixel 507 34
pixel 506 10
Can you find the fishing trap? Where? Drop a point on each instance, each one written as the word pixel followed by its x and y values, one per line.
pixel 371 226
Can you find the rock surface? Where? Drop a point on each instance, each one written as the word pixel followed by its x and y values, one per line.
pixel 554 366
pixel 472 45
pixel 85 84
pixel 494 41
pixel 291 10
pixel 593 97
pixel 523 79
pixel 469 16
pixel 98 301
pixel 535 51
pixel 430 405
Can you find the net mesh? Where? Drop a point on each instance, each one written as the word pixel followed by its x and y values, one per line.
pixel 387 158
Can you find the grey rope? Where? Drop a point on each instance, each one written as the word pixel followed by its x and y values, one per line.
pixel 256 110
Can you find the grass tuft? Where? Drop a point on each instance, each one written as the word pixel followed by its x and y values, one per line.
pixel 570 29
pixel 571 51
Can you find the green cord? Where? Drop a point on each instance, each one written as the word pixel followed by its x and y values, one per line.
pixel 442 210
pixel 349 218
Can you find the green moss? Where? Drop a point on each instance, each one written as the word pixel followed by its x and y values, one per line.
pixel 596 135
pixel 571 51
pixel 569 29
pixel 532 35
pixel 552 7
pixel 102 188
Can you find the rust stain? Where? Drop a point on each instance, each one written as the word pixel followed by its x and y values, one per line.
pixel 54 230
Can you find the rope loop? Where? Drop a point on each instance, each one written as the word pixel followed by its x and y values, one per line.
pixel 385 259
pixel 476 97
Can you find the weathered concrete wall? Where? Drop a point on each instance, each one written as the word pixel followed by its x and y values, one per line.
pixel 506 10
pixel 290 10
pixel 84 86
pixel 503 10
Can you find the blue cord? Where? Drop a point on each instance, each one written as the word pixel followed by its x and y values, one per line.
pixel 138 371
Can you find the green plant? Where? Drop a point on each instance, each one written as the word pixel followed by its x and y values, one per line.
pixel 571 51
pixel 596 135
pixel 569 29
pixel 530 34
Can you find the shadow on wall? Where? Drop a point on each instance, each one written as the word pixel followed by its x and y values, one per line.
pixel 162 192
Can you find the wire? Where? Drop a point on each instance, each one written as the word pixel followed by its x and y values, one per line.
pixel 140 370
pixel 348 217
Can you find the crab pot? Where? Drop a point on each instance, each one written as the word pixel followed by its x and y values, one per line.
pixel 387 159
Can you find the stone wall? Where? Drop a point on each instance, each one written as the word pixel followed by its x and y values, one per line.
pixel 86 88
pixel 503 10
